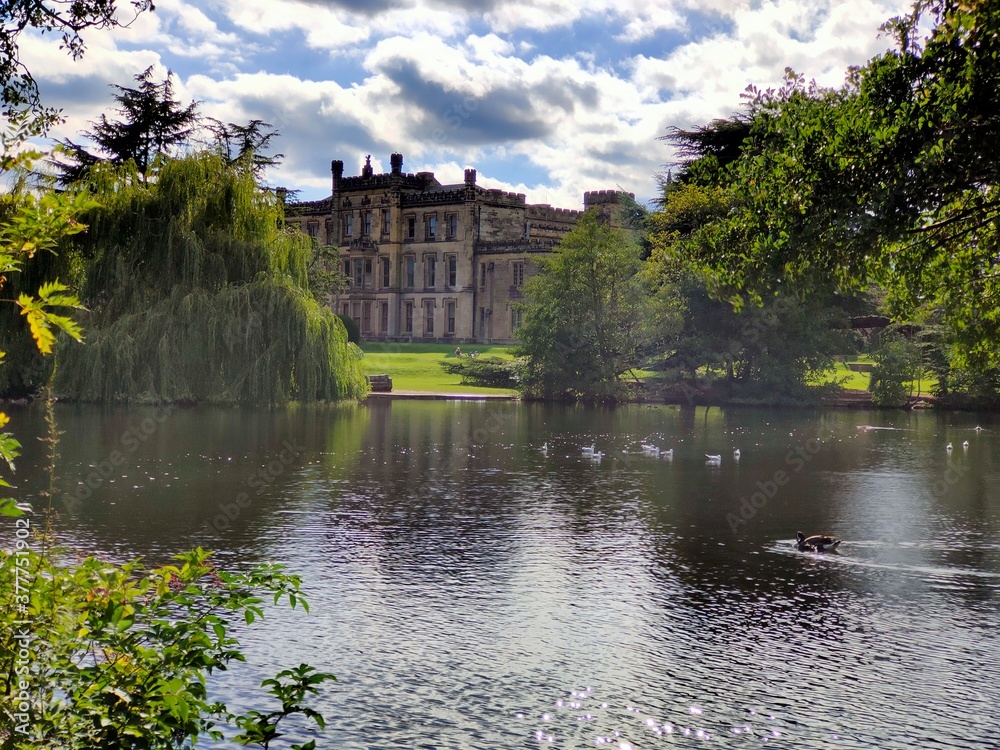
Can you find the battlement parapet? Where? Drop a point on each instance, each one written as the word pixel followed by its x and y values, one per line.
pixel 497 197
pixel 515 247
pixel 604 197
pixel 545 211
pixel 308 208
pixel 387 181
pixel 433 198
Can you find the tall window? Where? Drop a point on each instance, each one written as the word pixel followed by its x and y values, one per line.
pixel 453 271
pixel 347 267
pixel 368 274
pixel 348 225
pixel 410 265
pixel 312 229
pixel 356 313
pixel 346 310
pixel 366 317
pixel 411 227
pixel 384 317
pixel 385 272
pixel 366 227
pixel 450 313
pixel 359 270
pixel 407 317
pixel 453 226
pixel 386 221
pixel 482 275
pixel 430 266
pixel 516 319
pixel 517 272
pixel 432 227
pixel 429 318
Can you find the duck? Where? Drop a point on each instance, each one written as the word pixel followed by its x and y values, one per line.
pixel 545 448
pixel 949 448
pixel 965 445
pixel 669 453
pixel 596 457
pixel 978 428
pixel 737 454
pixel 816 542
pixel 713 458
pixel 589 450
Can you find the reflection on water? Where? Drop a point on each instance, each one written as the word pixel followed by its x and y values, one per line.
pixel 472 591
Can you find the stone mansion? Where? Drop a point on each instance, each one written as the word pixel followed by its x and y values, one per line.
pixel 432 262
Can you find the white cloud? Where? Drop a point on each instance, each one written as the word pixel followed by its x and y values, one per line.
pixel 530 119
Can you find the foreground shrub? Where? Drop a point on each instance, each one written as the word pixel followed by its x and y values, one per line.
pixel 99 655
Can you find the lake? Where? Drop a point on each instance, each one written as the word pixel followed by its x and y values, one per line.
pixel 472 591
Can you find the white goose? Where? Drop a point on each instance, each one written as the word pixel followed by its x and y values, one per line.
pixel 713 458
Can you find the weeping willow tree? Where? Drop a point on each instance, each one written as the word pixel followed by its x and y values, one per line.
pixel 197 291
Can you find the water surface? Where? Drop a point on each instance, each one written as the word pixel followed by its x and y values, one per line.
pixel 471 591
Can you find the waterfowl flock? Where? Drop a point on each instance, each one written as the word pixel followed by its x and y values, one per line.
pixel 648 449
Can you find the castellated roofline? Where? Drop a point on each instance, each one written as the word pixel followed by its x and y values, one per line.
pixel 423 188
pixel 603 197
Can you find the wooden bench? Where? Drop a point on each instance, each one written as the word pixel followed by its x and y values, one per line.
pixel 380 383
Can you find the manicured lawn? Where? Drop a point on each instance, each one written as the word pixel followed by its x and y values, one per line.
pixel 417 367
pixel 858 381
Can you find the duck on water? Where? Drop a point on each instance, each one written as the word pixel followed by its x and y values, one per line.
pixel 816 542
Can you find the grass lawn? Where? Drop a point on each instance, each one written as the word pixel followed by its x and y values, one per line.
pixel 417 367
pixel 858 381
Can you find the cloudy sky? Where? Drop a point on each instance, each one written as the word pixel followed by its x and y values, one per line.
pixel 545 97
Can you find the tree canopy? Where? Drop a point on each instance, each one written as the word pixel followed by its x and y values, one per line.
pixel 583 313
pixel 198 292
pixel 890 179
pixel 151 123
pixel 18 89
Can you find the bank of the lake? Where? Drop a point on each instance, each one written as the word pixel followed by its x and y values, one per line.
pixel 416 371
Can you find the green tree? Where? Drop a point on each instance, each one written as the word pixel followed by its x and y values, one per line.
pixel 584 314
pixel 897 364
pixel 246 145
pixel 18 89
pixel 151 123
pixel 889 179
pixel 199 292
pixel 767 348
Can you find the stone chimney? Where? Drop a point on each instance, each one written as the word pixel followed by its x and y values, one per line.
pixel 396 160
pixel 337 168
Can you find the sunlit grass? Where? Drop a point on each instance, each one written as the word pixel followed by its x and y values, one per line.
pixel 858 381
pixel 417 367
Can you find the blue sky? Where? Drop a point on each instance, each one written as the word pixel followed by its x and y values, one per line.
pixel 550 98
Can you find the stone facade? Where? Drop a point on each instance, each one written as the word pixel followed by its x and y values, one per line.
pixel 432 262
